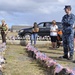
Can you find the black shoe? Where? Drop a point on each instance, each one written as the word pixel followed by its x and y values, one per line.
pixel 71 57
pixel 64 57
pixel 74 61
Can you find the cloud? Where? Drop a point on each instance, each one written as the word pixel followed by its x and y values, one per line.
pixel 28 6
pixel 26 11
pixel 63 1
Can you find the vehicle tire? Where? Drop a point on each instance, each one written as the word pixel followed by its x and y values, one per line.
pixel 27 36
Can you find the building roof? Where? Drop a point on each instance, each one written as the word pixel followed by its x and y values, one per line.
pixel 18 27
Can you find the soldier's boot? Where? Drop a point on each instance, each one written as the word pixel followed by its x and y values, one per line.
pixel 65 56
pixel 71 57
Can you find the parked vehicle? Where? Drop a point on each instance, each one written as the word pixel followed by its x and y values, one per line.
pixel 44 29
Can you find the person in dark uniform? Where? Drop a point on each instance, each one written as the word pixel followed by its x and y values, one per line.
pixel 4 31
pixel 68 33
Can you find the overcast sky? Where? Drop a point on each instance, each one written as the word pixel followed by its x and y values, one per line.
pixel 26 12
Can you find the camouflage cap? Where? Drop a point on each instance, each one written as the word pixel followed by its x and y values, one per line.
pixel 67 7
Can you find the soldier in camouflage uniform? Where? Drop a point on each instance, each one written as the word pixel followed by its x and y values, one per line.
pixel 68 33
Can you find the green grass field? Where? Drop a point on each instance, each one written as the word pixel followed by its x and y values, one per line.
pixel 18 62
pixel 55 54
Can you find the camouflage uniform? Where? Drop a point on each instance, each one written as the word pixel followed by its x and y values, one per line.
pixel 68 33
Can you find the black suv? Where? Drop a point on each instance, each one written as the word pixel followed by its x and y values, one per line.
pixel 44 29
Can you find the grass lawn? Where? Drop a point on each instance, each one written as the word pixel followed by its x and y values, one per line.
pixel 12 33
pixel 55 54
pixel 18 62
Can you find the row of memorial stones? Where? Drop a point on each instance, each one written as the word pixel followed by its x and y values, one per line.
pixel 51 65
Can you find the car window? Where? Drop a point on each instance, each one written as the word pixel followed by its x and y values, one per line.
pixel 42 25
pixel 48 25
